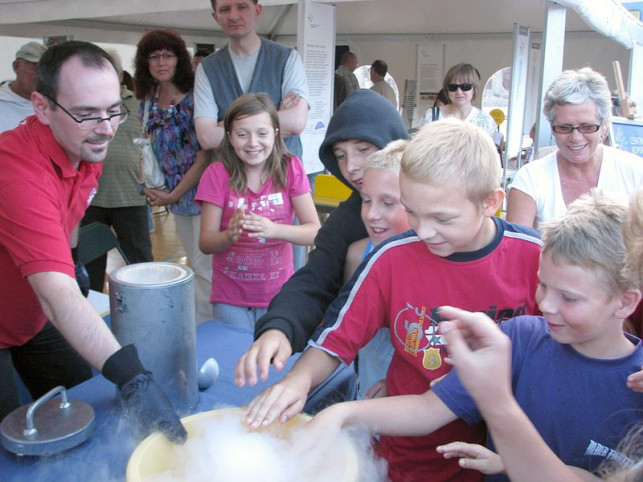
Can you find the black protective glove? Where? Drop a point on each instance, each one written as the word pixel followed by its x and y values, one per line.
pixel 82 276
pixel 148 407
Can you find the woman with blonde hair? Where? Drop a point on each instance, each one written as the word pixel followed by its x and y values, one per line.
pixel 461 85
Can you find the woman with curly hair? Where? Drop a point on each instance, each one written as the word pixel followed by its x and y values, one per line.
pixel 164 83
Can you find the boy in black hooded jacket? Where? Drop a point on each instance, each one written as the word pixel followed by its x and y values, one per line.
pixel 364 123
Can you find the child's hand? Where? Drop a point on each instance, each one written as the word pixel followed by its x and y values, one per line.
pixel 259 226
pixel 273 346
pixel 235 226
pixel 319 435
pixel 283 400
pixel 473 456
pixel 481 353
pixel 635 381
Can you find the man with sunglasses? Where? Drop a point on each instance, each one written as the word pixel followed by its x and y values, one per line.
pixel 49 332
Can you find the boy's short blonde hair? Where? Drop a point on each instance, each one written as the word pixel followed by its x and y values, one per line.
pixel 589 235
pixel 388 159
pixel 454 152
pixel 633 236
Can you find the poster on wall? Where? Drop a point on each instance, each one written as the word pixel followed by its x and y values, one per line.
pixel 627 135
pixel 531 111
pixel 430 68
pixel 518 92
pixel 316 44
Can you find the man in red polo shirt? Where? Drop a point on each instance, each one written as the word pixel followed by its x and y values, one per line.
pixel 50 166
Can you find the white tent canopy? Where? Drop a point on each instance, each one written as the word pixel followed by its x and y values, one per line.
pixel 374 28
pixel 354 17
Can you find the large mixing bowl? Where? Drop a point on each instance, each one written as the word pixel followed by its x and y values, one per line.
pixel 156 455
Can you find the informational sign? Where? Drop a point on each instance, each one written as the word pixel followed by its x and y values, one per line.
pixel 206 48
pixel 533 74
pixel 316 44
pixel 518 91
pixel 410 102
pixel 56 39
pixel 430 67
pixel 627 135
pixel 634 7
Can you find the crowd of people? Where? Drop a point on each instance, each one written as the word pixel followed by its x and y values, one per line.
pixel 483 346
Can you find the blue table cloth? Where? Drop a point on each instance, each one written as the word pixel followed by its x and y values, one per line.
pixel 104 456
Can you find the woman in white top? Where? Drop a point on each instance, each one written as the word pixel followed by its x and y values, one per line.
pixel 461 84
pixel 578 106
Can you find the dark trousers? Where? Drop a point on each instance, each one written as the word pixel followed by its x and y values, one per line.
pixel 44 362
pixel 131 225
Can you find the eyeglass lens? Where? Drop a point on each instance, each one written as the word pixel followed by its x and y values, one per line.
pixel 584 129
pixel 466 87
pixel 93 122
pixel 114 120
pixel 157 57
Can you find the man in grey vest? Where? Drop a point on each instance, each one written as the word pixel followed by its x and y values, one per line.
pixel 248 63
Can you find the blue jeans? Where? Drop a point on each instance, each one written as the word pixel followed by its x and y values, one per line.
pixel 240 316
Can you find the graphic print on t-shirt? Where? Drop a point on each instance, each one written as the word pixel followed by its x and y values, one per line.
pixel 243 261
pixel 418 332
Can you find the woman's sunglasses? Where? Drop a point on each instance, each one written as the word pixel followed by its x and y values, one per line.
pixel 463 87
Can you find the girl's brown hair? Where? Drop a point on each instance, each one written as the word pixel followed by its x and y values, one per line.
pixel 276 164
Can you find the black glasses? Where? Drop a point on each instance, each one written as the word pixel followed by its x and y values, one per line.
pixel 567 129
pixel 93 122
pixel 158 57
pixel 466 87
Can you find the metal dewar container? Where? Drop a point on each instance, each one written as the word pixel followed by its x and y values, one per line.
pixel 152 305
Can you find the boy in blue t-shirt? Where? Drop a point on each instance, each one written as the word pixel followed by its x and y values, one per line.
pixel 569 366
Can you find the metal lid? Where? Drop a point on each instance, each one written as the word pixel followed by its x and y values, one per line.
pixel 47 426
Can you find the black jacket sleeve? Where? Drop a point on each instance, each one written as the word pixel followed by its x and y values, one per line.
pixel 299 306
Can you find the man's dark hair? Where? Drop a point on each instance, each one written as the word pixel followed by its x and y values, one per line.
pixel 52 60
pixel 214 4
pixel 380 67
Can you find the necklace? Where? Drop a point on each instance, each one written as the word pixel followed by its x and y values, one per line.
pixel 162 117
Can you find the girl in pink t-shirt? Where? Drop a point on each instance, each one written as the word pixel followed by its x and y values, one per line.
pixel 248 204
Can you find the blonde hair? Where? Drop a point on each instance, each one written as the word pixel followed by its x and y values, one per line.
pixel 589 235
pixel 630 467
pixel 451 151
pixel 633 237
pixel 389 158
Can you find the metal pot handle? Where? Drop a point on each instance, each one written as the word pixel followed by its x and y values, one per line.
pixel 29 425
